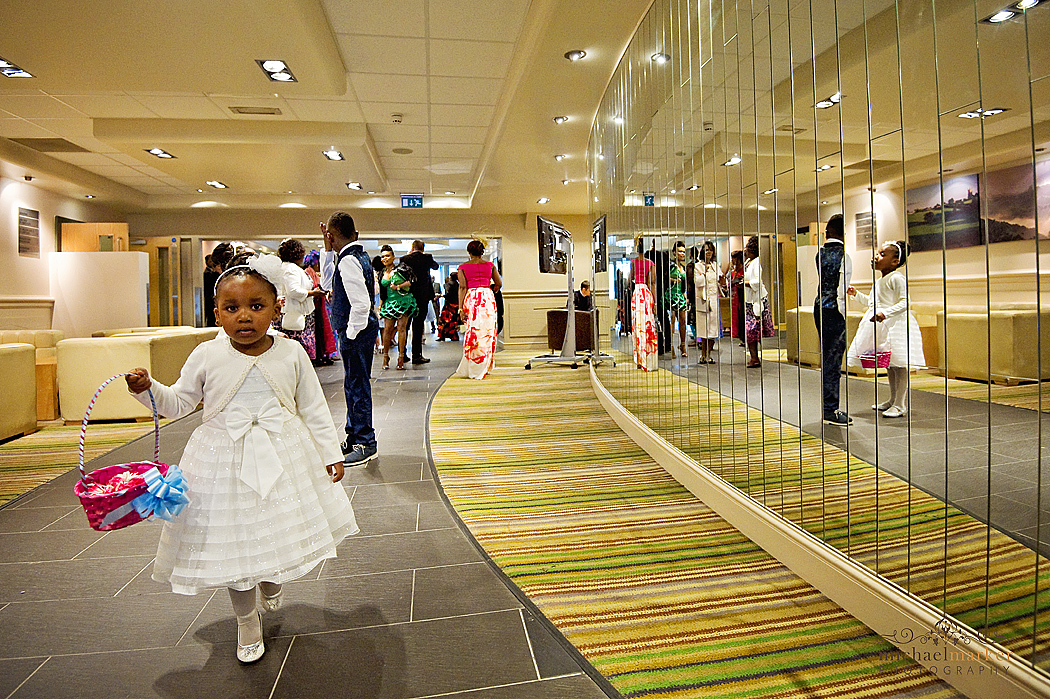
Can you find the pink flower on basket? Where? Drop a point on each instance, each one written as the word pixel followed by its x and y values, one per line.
pixel 118 483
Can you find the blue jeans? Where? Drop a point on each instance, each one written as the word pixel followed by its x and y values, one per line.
pixel 832 329
pixel 357 383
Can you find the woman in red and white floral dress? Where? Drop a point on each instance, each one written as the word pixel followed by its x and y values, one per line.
pixel 478 280
pixel 643 322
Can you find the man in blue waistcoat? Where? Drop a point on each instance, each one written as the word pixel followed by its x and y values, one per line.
pixel 347 271
pixel 829 314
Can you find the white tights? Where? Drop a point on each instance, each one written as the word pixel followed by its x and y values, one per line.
pixel 249 627
pixel 898 378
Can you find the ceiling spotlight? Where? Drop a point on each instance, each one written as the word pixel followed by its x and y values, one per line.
pixel 836 98
pixel 10 70
pixel 1026 4
pixel 560 119
pixel 712 206
pixel 450 193
pixel 824 104
pixel 618 120
pixel 371 192
pixel 596 200
pixel 566 181
pixel 735 160
pixel 1000 16
pixel 27 178
pixel 575 54
pixel 561 156
pixel 200 191
pixel 674 191
pixel 542 200
pixel 694 187
pixel 660 58
pixel 824 202
pixel 332 154
pixel 824 167
pixel 601 156
pixel 771 191
pixel 277 71
pixel 89 196
pixel 982 113
pixel 353 185
pixel 159 152
pixel 216 184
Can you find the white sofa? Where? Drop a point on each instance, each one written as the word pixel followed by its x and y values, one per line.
pixel 1016 333
pixel 18 367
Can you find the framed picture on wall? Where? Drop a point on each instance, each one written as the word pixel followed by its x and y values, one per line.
pixel 954 213
pixel 1010 205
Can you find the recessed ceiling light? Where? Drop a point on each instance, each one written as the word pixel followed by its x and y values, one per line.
pixel 735 160
pixel 575 54
pixel 618 120
pixel 631 191
pixel 216 184
pixel 560 119
pixel 601 156
pixel 771 191
pixel 542 200
pixel 1000 16
pixel 201 191
pixel 836 98
pixel 660 58
pixel 89 196
pixel 450 193
pixel 824 167
pixel 561 156
pixel 566 181
pixel 1026 4
pixel 332 154
pixel 371 192
pixel 291 205
pixel 824 104
pixel 10 70
pixel 159 152
pixel 712 206
pixel 674 191
pixel 982 113
pixel 353 185
pixel 596 199
pixel 694 187
pixel 277 71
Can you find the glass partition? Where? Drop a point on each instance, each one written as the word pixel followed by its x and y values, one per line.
pixel 750 127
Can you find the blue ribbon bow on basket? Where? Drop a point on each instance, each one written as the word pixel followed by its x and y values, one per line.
pixel 165 497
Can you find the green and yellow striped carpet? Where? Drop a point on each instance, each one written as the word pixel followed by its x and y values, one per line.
pixel 35 459
pixel 661 595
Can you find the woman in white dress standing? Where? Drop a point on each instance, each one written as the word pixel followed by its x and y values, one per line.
pixel 758 317
pixel 706 274
pixel 888 325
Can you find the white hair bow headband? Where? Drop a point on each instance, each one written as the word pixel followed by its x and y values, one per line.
pixel 269 266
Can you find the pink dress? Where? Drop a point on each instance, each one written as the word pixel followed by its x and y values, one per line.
pixel 479 306
pixel 643 322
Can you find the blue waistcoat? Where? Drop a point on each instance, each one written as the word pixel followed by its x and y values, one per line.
pixel 340 302
pixel 829 264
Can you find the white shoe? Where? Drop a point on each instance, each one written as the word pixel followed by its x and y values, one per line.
pixel 894 411
pixel 250 627
pixel 884 405
pixel 270 604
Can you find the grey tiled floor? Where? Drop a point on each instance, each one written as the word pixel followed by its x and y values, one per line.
pixel 982 457
pixel 410 608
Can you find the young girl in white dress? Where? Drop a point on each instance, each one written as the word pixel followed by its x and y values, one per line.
pixel 889 325
pixel 262 511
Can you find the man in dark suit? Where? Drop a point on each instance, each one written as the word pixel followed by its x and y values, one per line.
pixel 423 289
pixel 582 299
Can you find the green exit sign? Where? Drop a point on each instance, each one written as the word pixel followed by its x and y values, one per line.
pixel 411 201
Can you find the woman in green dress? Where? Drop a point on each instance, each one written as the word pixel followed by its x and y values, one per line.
pixel 398 308
pixel 677 302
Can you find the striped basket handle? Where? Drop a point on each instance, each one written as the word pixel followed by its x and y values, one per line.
pixel 87 413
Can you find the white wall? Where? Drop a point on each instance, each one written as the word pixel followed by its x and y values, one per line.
pixel 99 291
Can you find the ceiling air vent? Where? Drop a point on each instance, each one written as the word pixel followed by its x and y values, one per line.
pixel 50 145
pixel 257 111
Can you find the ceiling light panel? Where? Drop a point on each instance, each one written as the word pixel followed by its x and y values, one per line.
pixel 277 71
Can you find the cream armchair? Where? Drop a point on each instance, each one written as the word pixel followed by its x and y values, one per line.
pixel 1016 334
pixel 803 341
pixel 84 363
pixel 18 367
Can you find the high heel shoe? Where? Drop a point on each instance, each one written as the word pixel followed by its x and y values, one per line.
pixel 252 626
pixel 386 361
pixel 683 353
pixel 401 362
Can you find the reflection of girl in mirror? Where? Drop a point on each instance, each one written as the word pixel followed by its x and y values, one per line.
pixel 677 303
pixel 706 274
pixel 643 323
pixel 888 325
pixel 758 318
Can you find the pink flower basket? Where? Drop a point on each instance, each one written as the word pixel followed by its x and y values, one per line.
pixel 105 491
pixel 875 360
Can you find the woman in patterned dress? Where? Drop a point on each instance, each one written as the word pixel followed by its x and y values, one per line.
pixel 477 307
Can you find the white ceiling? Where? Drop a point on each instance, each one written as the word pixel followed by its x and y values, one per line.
pixel 476 83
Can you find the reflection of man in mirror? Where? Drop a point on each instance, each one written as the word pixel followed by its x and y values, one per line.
pixel 829 314
pixel 582 299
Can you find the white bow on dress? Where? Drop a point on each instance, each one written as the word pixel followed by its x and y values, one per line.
pixel 260 465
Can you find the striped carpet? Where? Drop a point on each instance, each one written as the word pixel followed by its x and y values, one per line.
pixel 35 459
pixel 661 595
pixel 929 548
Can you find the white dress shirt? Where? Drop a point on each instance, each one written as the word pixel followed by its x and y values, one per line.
pixel 357 293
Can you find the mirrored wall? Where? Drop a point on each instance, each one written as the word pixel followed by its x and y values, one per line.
pixel 751 127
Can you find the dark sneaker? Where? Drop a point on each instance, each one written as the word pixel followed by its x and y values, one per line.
pixel 420 360
pixel 347 447
pixel 838 418
pixel 360 455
